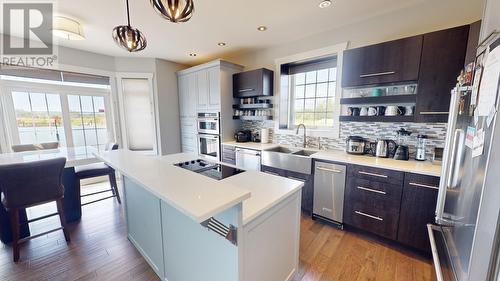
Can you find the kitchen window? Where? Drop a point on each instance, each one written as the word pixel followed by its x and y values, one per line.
pixel 88 120
pixel 308 92
pixel 313 91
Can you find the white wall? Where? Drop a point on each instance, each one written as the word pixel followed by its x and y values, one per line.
pixel 491 17
pixel 413 20
pixel 168 106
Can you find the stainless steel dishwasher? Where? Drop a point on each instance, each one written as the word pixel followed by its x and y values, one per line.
pixel 329 185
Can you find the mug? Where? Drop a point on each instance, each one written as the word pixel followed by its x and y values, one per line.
pixel 409 110
pixel 392 110
pixel 363 111
pixel 402 110
pixel 380 110
pixel 376 92
pixel 353 111
pixel 372 111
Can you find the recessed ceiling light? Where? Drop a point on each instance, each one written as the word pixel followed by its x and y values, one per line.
pixel 262 28
pixel 222 44
pixel 325 4
pixel 192 55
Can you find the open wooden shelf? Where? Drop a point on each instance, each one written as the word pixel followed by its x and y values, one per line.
pixel 380 100
pixel 399 118
pixel 253 106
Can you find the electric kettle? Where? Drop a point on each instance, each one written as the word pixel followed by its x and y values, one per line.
pixel 385 148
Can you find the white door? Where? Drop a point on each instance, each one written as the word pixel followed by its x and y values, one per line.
pixel 138 114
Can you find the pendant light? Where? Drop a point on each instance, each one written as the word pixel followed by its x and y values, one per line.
pixel 174 10
pixel 128 37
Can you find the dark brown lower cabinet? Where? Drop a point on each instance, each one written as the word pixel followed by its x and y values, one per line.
pixel 418 205
pixel 307 190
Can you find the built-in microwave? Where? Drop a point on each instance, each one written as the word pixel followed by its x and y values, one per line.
pixel 209 123
pixel 209 146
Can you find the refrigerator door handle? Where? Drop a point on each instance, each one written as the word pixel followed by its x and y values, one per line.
pixel 456 158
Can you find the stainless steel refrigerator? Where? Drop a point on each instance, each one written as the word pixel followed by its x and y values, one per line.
pixel 466 236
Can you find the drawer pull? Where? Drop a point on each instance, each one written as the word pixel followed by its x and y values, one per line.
pixel 369 216
pixel 328 170
pixel 377 74
pixel 423 185
pixel 246 90
pixel 373 174
pixel 434 113
pixel 371 190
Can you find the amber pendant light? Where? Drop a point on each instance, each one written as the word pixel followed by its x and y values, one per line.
pixel 128 37
pixel 174 10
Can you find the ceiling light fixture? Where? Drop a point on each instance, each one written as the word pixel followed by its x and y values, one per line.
pixel 222 44
pixel 262 28
pixel 67 28
pixel 174 10
pixel 128 37
pixel 325 4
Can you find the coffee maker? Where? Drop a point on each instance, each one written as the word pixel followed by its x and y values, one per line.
pixel 402 150
pixel 421 143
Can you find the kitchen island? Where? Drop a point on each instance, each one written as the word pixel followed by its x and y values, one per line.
pixel 192 227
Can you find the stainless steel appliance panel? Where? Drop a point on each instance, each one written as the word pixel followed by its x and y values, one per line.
pixel 329 186
pixel 209 146
pixel 248 159
pixel 208 123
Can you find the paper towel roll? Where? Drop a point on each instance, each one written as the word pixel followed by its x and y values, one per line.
pixel 264 135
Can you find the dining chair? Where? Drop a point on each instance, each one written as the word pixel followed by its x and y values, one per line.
pixel 99 170
pixel 30 184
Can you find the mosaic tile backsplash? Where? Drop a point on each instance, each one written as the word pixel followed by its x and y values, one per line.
pixel 369 130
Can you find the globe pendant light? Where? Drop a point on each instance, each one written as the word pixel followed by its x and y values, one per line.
pixel 128 37
pixel 174 10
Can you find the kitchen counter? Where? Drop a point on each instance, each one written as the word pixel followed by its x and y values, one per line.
pixel 198 196
pixel 252 145
pixel 411 166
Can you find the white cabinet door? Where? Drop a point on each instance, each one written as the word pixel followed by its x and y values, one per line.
pixel 192 96
pixel 183 96
pixel 188 135
pixel 214 95
pixel 203 89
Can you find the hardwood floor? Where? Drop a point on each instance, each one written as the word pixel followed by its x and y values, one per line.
pixel 99 250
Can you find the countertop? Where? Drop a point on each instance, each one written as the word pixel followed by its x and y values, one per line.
pixel 411 166
pixel 198 196
pixel 80 155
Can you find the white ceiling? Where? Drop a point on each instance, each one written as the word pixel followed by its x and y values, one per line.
pixel 230 21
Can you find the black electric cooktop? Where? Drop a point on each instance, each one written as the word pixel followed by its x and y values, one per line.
pixel 209 169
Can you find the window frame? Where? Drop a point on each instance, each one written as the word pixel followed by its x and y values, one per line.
pixel 7 87
pixel 334 50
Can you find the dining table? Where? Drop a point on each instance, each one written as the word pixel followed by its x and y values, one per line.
pixel 75 156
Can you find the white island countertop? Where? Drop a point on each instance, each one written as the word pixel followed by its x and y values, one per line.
pixel 198 196
pixel 75 156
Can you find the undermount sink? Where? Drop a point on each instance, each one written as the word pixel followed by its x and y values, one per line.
pixel 290 159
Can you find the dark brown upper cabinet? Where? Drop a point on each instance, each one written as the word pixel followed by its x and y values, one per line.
pixel 253 83
pixel 389 62
pixel 443 57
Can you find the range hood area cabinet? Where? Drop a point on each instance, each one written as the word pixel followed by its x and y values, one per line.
pixel 389 62
pixel 254 83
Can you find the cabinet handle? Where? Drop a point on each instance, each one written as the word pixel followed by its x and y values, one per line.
pixel 372 174
pixel 297 179
pixel 326 210
pixel 371 190
pixel 369 216
pixel 329 170
pixel 423 185
pixel 246 90
pixel 377 74
pixel 434 113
